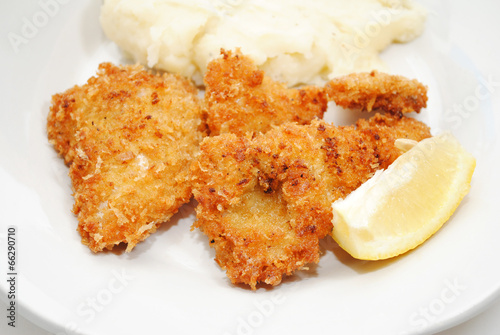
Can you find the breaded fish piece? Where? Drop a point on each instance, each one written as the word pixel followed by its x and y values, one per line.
pixel 265 202
pixel 378 91
pixel 239 98
pixel 129 137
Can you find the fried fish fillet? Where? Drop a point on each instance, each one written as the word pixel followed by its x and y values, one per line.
pixel 239 98
pixel 129 137
pixel 265 202
pixel 375 90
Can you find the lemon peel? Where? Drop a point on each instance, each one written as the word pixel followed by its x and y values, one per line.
pixel 401 207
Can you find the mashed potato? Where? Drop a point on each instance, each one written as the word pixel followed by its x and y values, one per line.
pixel 294 41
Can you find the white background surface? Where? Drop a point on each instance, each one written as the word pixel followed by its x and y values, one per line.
pixel 478 36
pixel 486 323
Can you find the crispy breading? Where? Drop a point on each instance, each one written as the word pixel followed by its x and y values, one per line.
pixel 239 98
pixel 265 202
pixel 129 137
pixel 376 90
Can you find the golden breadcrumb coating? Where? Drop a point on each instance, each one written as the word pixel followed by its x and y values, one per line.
pixel 264 202
pixel 239 98
pixel 129 137
pixel 375 90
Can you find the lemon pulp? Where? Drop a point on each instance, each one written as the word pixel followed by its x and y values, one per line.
pixel 401 207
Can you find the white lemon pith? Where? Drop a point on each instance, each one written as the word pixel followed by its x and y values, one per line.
pixel 401 207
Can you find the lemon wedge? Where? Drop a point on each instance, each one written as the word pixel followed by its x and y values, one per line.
pixel 401 207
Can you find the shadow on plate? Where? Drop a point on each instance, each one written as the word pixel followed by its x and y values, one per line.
pixel 186 212
pixel 328 244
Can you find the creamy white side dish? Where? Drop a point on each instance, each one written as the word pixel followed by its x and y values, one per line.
pixel 294 41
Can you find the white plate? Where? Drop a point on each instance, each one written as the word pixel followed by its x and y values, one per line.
pixel 170 282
